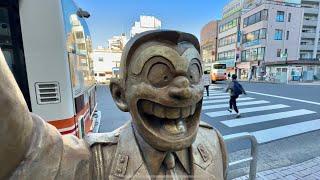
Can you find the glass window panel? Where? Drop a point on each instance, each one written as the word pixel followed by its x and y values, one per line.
pixel 258 16
pixel 8 55
pixel 5 32
pixel 280 16
pixel 264 15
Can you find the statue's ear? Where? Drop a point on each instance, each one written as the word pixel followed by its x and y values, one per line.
pixel 117 92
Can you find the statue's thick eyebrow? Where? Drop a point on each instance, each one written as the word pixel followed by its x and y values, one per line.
pixel 179 62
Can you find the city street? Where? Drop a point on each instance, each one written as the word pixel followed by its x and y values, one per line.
pixel 285 119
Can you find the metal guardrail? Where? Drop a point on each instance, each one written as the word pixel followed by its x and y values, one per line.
pixel 254 152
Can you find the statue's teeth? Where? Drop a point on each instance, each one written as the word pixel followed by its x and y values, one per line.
pixel 172 113
pixel 147 107
pixel 159 111
pixel 181 126
pixel 185 112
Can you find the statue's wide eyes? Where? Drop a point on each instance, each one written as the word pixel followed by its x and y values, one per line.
pixel 194 73
pixel 160 75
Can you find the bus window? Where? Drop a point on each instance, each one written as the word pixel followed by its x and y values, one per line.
pixel 12 46
pixel 219 66
pixel 5 37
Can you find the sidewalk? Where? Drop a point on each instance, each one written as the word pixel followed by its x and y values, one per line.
pixel 314 83
pixel 308 170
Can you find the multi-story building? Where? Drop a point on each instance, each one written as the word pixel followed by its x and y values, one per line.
pixel 271 33
pixel 208 42
pixel 310 40
pixel 310 30
pixel 228 35
pixel 117 42
pixel 146 23
pixel 106 63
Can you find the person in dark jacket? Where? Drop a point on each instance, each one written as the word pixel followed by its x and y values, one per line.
pixel 235 89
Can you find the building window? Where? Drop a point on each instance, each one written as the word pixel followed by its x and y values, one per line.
pixel 289 17
pixel 254 35
pixel 255 18
pixel 278 34
pixel 278 52
pixel 255 54
pixel 228 25
pixel 287 35
pixel 82 46
pixel 280 16
pixel 79 35
pixel 226 55
pixel 228 40
pixel 100 59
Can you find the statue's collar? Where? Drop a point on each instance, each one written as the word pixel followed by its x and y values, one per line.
pixel 154 158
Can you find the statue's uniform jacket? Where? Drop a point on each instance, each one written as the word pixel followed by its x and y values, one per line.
pixel 113 155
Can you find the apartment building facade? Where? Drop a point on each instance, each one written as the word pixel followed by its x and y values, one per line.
pixel 310 48
pixel 208 42
pixel 229 35
pixel 146 23
pixel 271 34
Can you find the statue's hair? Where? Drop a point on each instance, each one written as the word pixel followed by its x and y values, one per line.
pixel 171 36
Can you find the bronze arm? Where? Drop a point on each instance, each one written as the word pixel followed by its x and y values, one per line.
pixel 15 122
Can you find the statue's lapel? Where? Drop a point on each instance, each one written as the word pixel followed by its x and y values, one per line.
pixel 202 158
pixel 128 160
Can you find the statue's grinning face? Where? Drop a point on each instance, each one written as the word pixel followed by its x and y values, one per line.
pixel 165 98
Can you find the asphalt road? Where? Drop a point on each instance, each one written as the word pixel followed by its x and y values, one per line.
pixel 284 118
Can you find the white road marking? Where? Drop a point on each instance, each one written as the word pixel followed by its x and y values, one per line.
pixel 216 106
pixel 276 133
pixel 216 97
pixel 287 98
pixel 226 100
pixel 216 93
pixel 247 110
pixel 265 118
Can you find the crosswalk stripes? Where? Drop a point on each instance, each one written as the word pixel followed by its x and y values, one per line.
pixel 247 110
pixel 280 132
pixel 240 104
pixel 218 99
pixel 265 118
pixel 226 100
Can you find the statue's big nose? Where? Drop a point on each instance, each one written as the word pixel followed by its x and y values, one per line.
pixel 180 88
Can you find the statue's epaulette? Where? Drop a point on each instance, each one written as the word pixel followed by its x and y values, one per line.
pixel 205 125
pixel 103 138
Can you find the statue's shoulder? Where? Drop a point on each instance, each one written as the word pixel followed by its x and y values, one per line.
pixel 205 125
pixel 208 130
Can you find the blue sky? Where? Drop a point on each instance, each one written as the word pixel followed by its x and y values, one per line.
pixel 112 17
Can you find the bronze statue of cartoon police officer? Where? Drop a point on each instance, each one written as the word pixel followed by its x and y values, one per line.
pixel 160 85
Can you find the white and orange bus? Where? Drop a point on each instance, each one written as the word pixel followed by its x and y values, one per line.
pixel 47 45
pixel 218 72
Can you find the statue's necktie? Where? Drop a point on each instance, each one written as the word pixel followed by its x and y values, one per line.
pixel 170 163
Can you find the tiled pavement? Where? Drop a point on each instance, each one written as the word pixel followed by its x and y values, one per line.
pixel 308 170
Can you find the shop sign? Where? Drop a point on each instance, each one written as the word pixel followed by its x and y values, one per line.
pixel 243 65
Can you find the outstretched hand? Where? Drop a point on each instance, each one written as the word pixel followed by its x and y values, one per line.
pixel 16 123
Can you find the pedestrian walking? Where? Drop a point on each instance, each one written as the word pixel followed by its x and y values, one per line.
pixel 235 89
pixel 206 81
pixel 229 75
